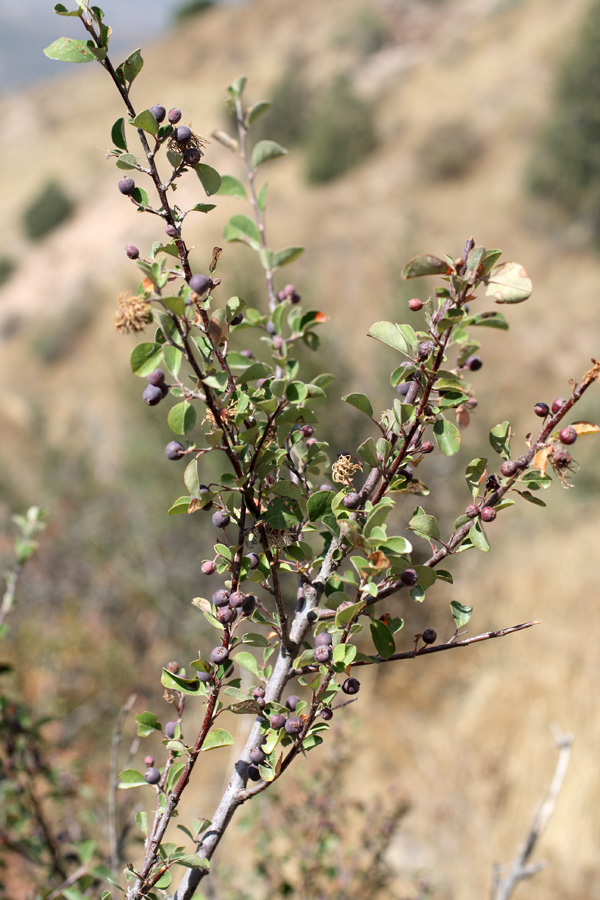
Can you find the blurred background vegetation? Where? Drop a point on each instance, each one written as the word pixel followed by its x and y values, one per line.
pixel 411 126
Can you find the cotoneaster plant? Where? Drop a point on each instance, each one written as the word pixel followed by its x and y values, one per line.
pixel 304 563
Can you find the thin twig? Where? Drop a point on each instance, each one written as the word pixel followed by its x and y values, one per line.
pixel 521 868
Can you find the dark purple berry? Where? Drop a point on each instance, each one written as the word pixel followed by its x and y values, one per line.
pixel 148 761
pixel 156 378
pixel 225 615
pixel 474 363
pixel 159 112
pixel 472 511
pixel 323 639
pixel 257 755
pixel 172 667
pixel 152 395
pixel 327 714
pixel 237 320
pixel 258 692
pixel 415 304
pixel 254 560
pixel 170 730
pixel 204 677
pixel 208 567
pixel 249 604
pixel 174 450
pixel 192 156
pixel 253 773
pixel 295 298
pixel 183 134
pixel 323 655
pixel 292 702
pixel 221 597
pixel 404 388
pixel 132 251
pixel 203 489
pixel 409 577
pixel 294 725
pixel 429 636
pixel 219 655
pixel 127 186
pixel 200 283
pixel 427 447
pixel 351 500
pixel 237 599
pixel 307 431
pixel 424 350
pixel 568 435
pixel 488 514
pixel 541 410
pixel 509 468
pixel 152 776
pixel 174 116
pixel 221 519
pixel 557 404
pixel 351 686
pixel 407 472
pixel 277 721
pixel 171 231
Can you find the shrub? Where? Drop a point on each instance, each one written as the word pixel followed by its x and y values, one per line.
pixel 449 151
pixel 7 267
pixel 49 209
pixel 366 32
pixel 192 8
pixel 341 133
pixel 288 119
pixel 565 166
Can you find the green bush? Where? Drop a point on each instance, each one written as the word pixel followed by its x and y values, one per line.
pixel 49 209
pixel 190 9
pixel 366 32
pixel 288 119
pixel 450 151
pixel 340 135
pixel 566 163
pixel 7 267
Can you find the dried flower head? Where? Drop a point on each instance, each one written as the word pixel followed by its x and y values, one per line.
pixel 132 313
pixel 344 468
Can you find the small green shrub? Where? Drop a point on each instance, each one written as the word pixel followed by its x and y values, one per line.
pixel 7 267
pixel 450 151
pixel 288 119
pixel 340 135
pixel 366 32
pixel 49 209
pixel 565 167
pixel 190 9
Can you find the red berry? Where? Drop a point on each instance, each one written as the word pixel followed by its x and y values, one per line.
pixel 509 468
pixel 541 410
pixel 174 116
pixel 415 304
pixel 488 513
pixel 427 447
pixel 568 435
pixel 557 404
pixel 208 567
pixel 132 251
pixel 148 761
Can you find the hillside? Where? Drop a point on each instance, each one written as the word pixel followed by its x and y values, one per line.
pixel 470 745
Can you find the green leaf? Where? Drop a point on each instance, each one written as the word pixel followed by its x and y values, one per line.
pixel 447 437
pixel 461 614
pixel 145 358
pixel 319 505
pixel 478 538
pixel 182 418
pixel 491 258
pixel 500 436
pixel 508 283
pixel 147 723
pixel 423 525
pixel 474 473
pixel 127 161
pixel 181 505
pixel 69 50
pixel 174 304
pixel 173 359
pixel 209 178
pixel 174 682
pixel 203 208
pixel 118 134
pixel 264 151
pixel 391 334
pixel 425 265
pixel 257 110
pixel 361 402
pixel 368 452
pixel 286 256
pixel 262 198
pixel 242 228
pixel 247 661
pixel 231 187
pixel 191 479
pixel 490 319
pixel 282 513
pixel 383 639
pixel 146 122
pixel 191 861
pixel 527 495
pixel 218 737
pixel 128 71
pixel 61 10
pixel 131 778
pixel 343 616
pixel 236 89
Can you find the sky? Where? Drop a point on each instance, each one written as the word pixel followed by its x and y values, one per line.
pixel 27 26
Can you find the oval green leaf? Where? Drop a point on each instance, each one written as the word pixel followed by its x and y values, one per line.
pixel 182 418
pixel 447 437
pixel 218 737
pixel 209 177
pixel 508 283
pixel 264 151
pixel 145 358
